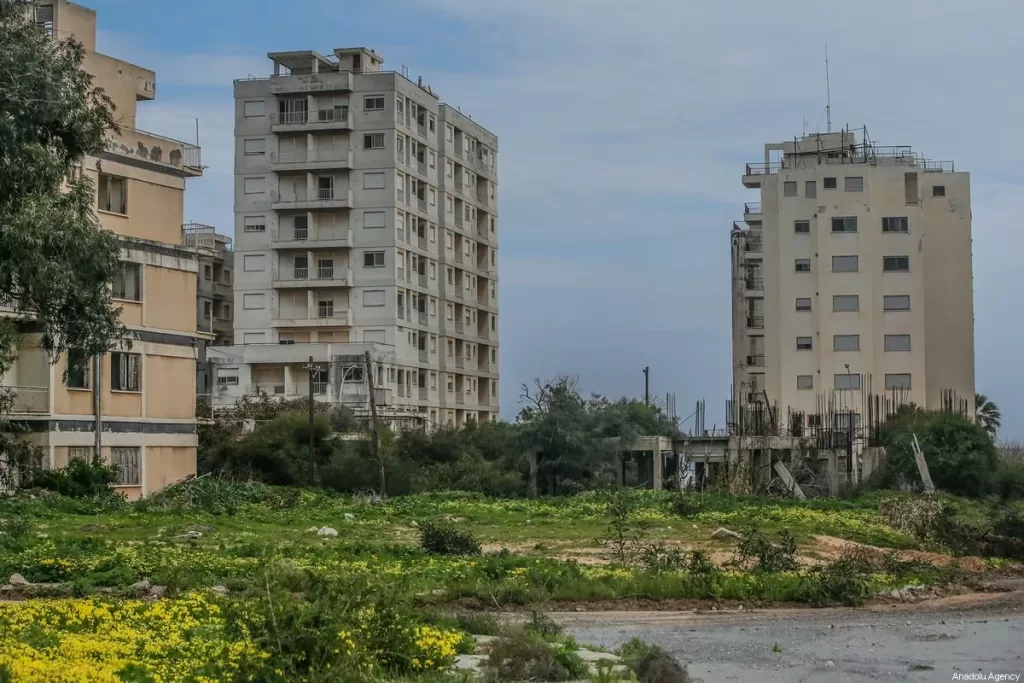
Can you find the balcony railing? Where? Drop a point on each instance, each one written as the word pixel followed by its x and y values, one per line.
pixel 301 273
pixel 754 283
pixel 290 118
pixel 157 149
pixel 325 272
pixel 751 207
pixel 324 193
pixel 755 322
pixel 764 169
pixel 754 243
pixel 756 360
pixel 30 400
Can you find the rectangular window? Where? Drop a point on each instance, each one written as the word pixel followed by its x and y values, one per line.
pixel 257 147
pixel 449 239
pixel 896 264
pixel 805 381
pixel 373 297
pixel 802 265
pixel 910 188
pixel 254 108
pixel 844 264
pixel 78 369
pixel 854 183
pixel 801 227
pixel 896 302
pixel 433 197
pixel 128 281
pixel 84 453
pixel 897 381
pixel 828 183
pixel 254 224
pixel 373 219
pixel 937 191
pixel 789 188
pixel 804 344
pixel 373 103
pixel 810 188
pixel 124 371
pixel 373 181
pixel 844 224
pixel 846 382
pixel 431 160
pixel 897 342
pixel 254 262
pixel 129 469
pixel 373 141
pixel 803 304
pixel 373 259
pixel 846 342
pixel 113 194
pixel 400 105
pixel 845 302
pixel 227 380
pixel 254 301
pixel 895 224
pixel 254 185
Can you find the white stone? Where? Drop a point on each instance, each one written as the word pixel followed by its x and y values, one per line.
pixel 327 532
pixel 312 530
pixel 141 586
pixel 722 532
pixel 18 580
pixel 349 517
pixel 220 590
pixel 193 535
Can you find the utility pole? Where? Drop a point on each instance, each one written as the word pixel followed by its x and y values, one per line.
pixel 311 368
pixel 647 385
pixel 375 426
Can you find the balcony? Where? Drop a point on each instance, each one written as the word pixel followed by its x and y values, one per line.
pixel 755 322
pixel 755 173
pixel 460 362
pixel 327 237
pixel 753 242
pixel 754 284
pixel 30 400
pixel 317 316
pixel 422 317
pixel 423 355
pixel 222 290
pixel 483 332
pixel 331 81
pixel 139 148
pixel 321 277
pixel 756 360
pixel 460 397
pixel 301 160
pixel 459 326
pixel 752 213
pixel 310 121
pixel 321 198
pixel 424 393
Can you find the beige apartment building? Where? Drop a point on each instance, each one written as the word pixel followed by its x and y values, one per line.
pixel 365 214
pixel 851 281
pixel 137 405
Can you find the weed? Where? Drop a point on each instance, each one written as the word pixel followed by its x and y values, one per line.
pixel 520 655
pixel 625 533
pixel 776 648
pixel 755 551
pixel 477 624
pixel 445 539
pixel 651 664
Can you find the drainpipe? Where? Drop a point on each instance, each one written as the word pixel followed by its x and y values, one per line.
pixel 97 403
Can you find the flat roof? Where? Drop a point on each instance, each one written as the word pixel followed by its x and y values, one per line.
pixel 299 59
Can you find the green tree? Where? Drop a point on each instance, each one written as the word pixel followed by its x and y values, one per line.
pixel 988 414
pixel 56 261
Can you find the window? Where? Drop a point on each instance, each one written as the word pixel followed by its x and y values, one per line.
pixel 896 264
pixel 255 147
pixel 451 276
pixel 254 301
pixel 373 297
pixel 254 185
pixel 433 270
pixel 828 183
pixel 844 224
pixel 449 133
pixel 805 381
pixel 449 239
pixel 431 160
pixel 254 224
pixel 78 369
pixel 254 108
pixel 937 191
pixel 897 381
pixel 801 227
pixel 854 183
pixel 433 197
pixel 451 347
pixel 895 224
pixel 373 141
pixel 846 342
pixel 373 259
pixel 803 304
pixel 128 282
pixel 373 103
pixel 124 371
pixel 803 265
pixel 804 344
pixel 845 302
pixel 433 233
pixel 84 453
pixel 789 188
pixel 373 219
pixel 207 272
pixel 113 194
pixel 373 181
pixel 254 262
pixel 896 302
pixel 846 382
pixel 897 342
pixel 448 169
pixel 126 460
pixel 844 264
pixel 448 203
pixel 810 188
pixel 400 105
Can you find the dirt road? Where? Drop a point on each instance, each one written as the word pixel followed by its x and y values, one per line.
pixel 927 641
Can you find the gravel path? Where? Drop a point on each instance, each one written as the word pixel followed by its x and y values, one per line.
pixel 927 641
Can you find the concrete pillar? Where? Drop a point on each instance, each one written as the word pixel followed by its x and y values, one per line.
pixel 833 471
pixel 657 463
pixel 277 69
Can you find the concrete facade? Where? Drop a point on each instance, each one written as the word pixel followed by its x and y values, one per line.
pixel 366 213
pixel 145 411
pixel 852 278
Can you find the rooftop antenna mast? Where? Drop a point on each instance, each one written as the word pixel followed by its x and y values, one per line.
pixel 828 95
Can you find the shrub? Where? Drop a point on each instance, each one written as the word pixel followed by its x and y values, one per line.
pixel 651 664
pixel 844 580
pixel 755 551
pixel 445 539
pixel 625 533
pixel 913 515
pixel 520 655
pixel 657 557
pixel 80 479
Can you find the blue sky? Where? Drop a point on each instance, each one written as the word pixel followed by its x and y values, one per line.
pixel 623 129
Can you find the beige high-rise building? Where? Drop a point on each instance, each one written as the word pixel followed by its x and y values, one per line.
pixel 137 404
pixel 365 217
pixel 852 284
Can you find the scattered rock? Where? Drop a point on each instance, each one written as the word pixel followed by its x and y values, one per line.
pixel 193 535
pixel 592 657
pixel 312 530
pixel 895 594
pixel 205 528
pixel 18 580
pixel 141 587
pixel 474 663
pixel 529 521
pixel 829 664
pixel 157 592
pixel 42 535
pixel 327 532
pixel 722 532
pixel 220 590
pixel 349 517
pixel 414 524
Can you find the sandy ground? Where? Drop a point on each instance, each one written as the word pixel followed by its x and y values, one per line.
pixel 927 641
